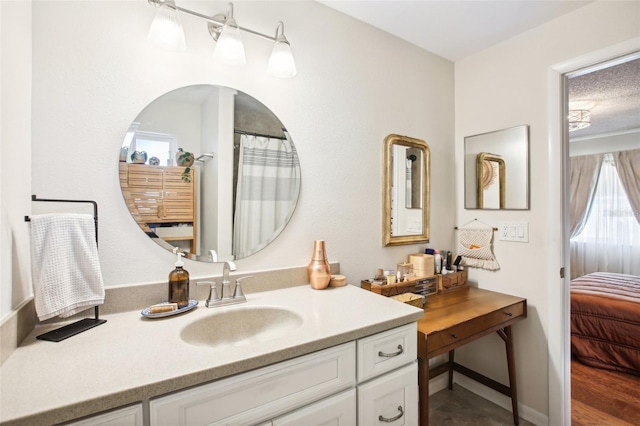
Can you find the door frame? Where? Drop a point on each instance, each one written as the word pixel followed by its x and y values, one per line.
pixel 559 367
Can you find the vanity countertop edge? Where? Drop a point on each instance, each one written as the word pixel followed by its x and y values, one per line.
pixel 130 359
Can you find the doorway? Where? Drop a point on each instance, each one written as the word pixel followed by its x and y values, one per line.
pixel 602 104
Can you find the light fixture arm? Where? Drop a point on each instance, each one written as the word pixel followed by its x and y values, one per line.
pixel 217 21
pixel 280 33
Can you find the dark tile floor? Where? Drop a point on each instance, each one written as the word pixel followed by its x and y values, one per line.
pixel 460 407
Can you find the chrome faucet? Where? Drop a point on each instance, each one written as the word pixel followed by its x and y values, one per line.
pixel 225 297
pixel 226 269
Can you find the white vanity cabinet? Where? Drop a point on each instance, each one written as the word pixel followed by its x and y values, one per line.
pixel 388 378
pixel 351 384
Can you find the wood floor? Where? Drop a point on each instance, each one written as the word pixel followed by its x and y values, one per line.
pixel 603 398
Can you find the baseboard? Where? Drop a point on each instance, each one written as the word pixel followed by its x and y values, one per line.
pixel 439 383
pixel 527 413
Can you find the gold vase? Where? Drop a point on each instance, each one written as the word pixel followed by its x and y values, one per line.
pixel 319 270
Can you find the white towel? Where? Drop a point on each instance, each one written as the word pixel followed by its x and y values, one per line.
pixel 64 264
pixel 474 245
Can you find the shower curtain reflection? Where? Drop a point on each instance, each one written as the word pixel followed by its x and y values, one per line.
pixel 268 186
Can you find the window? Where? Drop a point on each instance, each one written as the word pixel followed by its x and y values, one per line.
pixel 160 145
pixel 610 240
pixel 611 218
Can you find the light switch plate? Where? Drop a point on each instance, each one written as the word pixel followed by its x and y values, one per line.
pixel 514 231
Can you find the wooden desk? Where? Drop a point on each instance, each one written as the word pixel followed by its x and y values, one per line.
pixel 459 317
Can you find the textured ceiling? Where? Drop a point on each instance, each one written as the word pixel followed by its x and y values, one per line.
pixel 612 95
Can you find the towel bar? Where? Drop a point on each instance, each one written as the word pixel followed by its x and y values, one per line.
pixel 77 327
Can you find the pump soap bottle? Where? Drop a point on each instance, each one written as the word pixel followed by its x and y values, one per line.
pixel 179 284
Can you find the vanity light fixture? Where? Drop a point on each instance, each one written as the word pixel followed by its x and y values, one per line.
pixel 167 33
pixel 579 119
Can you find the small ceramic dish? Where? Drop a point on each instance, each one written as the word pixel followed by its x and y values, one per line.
pixel 337 281
pixel 146 312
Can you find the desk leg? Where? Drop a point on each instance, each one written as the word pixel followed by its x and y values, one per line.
pixel 511 363
pixel 423 390
pixel 451 362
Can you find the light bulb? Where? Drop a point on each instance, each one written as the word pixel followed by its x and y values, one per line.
pixel 166 30
pixel 281 63
pixel 229 47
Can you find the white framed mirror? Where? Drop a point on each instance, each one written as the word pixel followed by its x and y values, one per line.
pixel 241 188
pixel 496 170
pixel 406 191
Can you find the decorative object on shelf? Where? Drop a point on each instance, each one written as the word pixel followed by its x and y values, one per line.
pixel 184 158
pixel 319 270
pixel 123 154
pixel 138 157
pixel 186 175
pixel 154 161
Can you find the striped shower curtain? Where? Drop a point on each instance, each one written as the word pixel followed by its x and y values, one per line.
pixel 268 187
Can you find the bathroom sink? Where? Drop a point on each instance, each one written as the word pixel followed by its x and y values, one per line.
pixel 241 326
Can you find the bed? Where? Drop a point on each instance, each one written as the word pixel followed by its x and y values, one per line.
pixel 605 321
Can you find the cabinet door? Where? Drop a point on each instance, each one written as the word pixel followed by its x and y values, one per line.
pixel 336 410
pixel 391 399
pixel 129 416
pixel 177 196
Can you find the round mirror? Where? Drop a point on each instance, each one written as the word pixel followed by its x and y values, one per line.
pixel 211 170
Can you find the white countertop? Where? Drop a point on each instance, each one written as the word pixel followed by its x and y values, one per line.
pixel 131 358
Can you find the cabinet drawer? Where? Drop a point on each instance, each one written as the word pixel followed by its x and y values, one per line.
pixel 336 410
pixel 145 176
pixel 385 351
pixel 453 335
pixel 390 399
pixel 249 398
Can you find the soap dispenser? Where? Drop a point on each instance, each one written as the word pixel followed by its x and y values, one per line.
pixel 179 284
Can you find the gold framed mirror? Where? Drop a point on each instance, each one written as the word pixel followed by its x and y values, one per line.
pixel 406 191
pixel 490 170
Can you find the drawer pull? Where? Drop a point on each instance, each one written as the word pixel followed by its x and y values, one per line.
pixel 509 314
pixel 455 336
pixel 392 419
pixel 400 351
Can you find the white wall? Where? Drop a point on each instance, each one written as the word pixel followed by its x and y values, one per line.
pixel 511 84
pixel 93 72
pixel 15 153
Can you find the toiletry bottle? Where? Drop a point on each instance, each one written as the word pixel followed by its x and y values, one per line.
pixel 179 284
pixel 438 262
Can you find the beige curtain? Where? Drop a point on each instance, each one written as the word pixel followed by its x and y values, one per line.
pixel 628 167
pixel 583 180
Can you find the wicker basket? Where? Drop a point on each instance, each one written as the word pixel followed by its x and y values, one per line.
pixel 410 299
